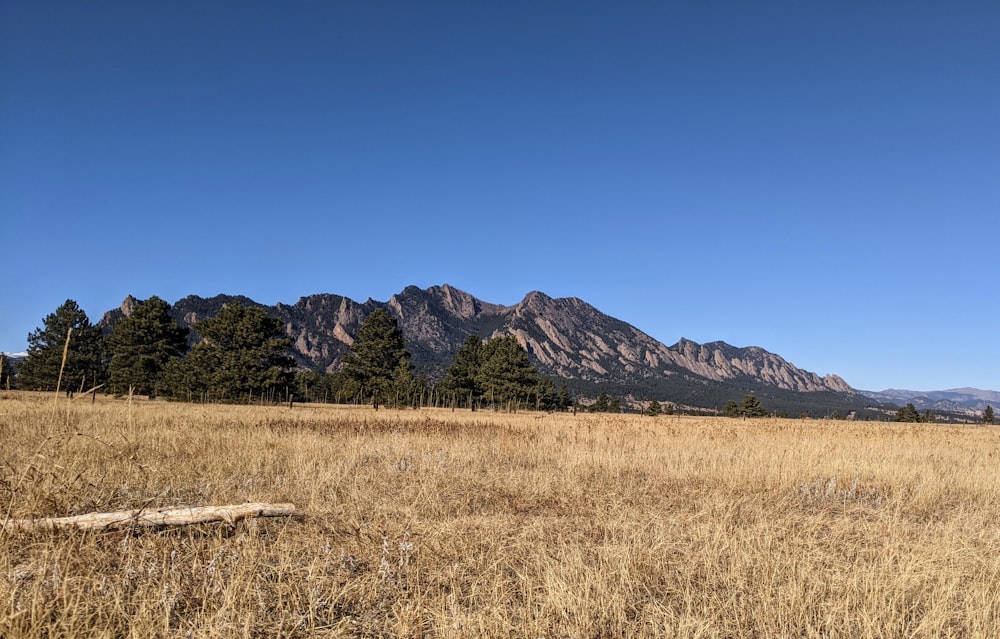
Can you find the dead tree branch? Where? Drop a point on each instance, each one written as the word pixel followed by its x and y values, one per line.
pixel 154 517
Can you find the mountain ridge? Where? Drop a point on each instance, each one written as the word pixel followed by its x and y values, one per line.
pixel 970 401
pixel 565 337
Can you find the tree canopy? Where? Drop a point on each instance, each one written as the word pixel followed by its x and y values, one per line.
pixel 461 380
pixel 500 374
pixel 506 375
pixel 378 362
pixel 751 407
pixel 142 345
pixel 41 368
pixel 605 404
pixel 243 355
pixel 908 413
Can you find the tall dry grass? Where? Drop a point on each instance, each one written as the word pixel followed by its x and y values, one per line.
pixel 440 524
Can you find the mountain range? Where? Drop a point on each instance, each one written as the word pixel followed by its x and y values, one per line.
pixel 957 400
pixel 566 338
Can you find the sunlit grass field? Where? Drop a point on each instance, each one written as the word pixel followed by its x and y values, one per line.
pixel 428 523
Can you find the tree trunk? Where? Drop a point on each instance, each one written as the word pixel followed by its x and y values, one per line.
pixel 154 518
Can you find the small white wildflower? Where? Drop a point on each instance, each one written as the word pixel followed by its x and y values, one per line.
pixel 384 567
pixel 405 552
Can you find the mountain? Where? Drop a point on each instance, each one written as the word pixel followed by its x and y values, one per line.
pixel 565 337
pixel 970 401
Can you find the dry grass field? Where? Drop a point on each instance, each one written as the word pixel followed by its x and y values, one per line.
pixel 439 524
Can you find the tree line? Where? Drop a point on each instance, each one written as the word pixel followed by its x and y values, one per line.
pixel 243 355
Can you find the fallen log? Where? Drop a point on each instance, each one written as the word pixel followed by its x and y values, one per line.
pixel 148 518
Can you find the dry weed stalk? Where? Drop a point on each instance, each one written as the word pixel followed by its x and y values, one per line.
pixel 62 364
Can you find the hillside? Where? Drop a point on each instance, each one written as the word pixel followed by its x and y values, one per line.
pixel 966 401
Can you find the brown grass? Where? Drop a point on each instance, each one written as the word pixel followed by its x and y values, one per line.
pixel 439 524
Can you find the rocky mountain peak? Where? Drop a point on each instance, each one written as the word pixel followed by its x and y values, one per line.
pixel 536 298
pixel 459 303
pixel 837 383
pixel 128 305
pixel 110 318
pixel 565 337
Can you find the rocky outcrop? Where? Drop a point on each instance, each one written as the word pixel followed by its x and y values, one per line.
pixel 571 338
pixel 720 361
pixel 565 337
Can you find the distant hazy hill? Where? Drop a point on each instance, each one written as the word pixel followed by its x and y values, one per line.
pixel 956 400
pixel 565 337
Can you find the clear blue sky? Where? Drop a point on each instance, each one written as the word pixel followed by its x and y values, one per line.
pixel 818 179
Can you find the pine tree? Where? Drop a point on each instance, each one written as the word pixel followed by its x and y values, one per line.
pixel 564 400
pixel 461 383
pixel 605 404
pixel 501 374
pixel 309 386
pixel 243 356
pixel 506 375
pixel 546 396
pixel 379 362
pixel 908 413
pixel 988 415
pixel 41 368
pixel 750 407
pixel 142 345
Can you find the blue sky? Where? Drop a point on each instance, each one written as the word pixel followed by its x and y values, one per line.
pixel 818 179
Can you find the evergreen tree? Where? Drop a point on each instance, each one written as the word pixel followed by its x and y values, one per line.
pixel 409 388
pixel 40 370
pixel 654 408
pixel 988 415
pixel 142 345
pixel 750 407
pixel 309 386
pixel 605 404
pixel 500 373
pixel 731 409
pixel 544 394
pixel 908 413
pixel 243 355
pixel 378 361
pixel 564 400
pixel 506 375
pixel 461 381
pixel 342 389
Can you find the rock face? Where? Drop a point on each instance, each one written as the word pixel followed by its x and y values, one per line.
pixel 565 337
pixel 719 361
pixel 128 305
